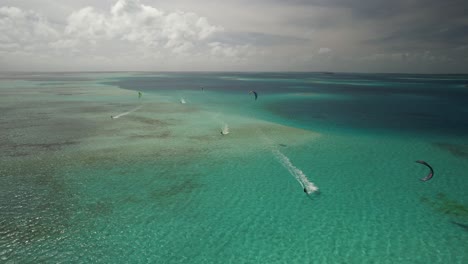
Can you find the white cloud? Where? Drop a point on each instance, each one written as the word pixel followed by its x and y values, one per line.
pixel 63 43
pixel 129 20
pixel 128 29
pixel 24 30
pixel 324 50
pixel 236 52
pixel 87 23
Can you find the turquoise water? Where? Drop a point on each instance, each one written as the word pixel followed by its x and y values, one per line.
pixel 159 183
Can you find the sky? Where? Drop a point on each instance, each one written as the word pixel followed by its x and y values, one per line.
pixel 398 36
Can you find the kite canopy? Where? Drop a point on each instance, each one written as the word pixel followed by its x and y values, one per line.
pixel 255 93
pixel 429 176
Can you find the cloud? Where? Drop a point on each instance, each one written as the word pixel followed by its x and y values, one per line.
pixel 236 52
pixel 301 35
pixel 127 29
pixel 88 24
pixel 131 21
pixel 24 30
pixel 262 39
pixel 324 50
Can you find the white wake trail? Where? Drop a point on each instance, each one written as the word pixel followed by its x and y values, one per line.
pixel 126 113
pixel 300 176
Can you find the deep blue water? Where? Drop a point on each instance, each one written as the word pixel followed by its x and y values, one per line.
pixel 403 103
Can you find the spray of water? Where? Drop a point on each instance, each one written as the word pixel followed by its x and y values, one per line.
pixel 219 119
pixel 225 129
pixel 300 176
pixel 182 101
pixel 126 113
pixel 308 186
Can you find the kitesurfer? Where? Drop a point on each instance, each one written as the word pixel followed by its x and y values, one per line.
pixel 255 93
pixel 431 174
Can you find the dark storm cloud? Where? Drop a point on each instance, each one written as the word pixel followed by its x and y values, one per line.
pixel 421 24
pixel 257 38
pixel 424 37
pixel 367 9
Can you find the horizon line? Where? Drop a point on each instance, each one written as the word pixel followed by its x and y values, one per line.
pixel 320 72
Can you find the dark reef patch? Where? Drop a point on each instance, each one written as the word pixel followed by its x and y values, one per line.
pixel 36 203
pixel 165 193
pixel 464 226
pixel 159 135
pixel 207 138
pixel 442 204
pixel 150 121
pixel 46 146
pixel 165 134
pixel 458 150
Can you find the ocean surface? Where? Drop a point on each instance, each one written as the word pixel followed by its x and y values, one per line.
pixel 320 168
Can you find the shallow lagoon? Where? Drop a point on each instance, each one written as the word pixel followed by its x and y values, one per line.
pixel 161 184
